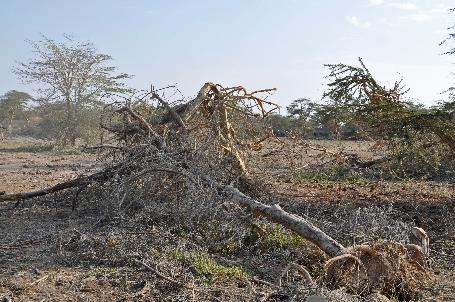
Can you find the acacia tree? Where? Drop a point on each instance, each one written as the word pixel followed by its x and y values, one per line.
pixel 302 111
pixel 385 111
pixel 74 73
pixel 13 104
pixel 301 108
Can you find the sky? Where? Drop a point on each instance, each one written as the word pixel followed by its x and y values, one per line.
pixel 258 44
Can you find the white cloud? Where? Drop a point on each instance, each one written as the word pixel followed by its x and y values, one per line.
pixel 441 32
pixel 357 22
pixel 420 17
pixel 439 10
pixel 375 2
pixel 386 21
pixel 403 5
pixel 352 20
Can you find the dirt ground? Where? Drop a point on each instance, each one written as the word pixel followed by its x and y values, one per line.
pixel 33 235
pixel 22 171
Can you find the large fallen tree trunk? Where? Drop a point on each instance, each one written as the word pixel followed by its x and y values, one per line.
pixel 291 221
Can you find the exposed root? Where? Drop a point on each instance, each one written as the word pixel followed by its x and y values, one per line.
pixel 300 269
pixel 388 268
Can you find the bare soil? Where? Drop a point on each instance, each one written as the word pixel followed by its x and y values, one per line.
pixel 22 170
pixel 35 235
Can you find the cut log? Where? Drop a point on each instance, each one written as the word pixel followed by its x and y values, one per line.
pixel 293 222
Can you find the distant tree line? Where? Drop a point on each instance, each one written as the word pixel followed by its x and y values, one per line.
pixel 43 118
pixel 74 82
pixel 23 115
pixel 309 119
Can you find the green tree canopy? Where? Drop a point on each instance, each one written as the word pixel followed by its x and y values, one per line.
pixel 13 104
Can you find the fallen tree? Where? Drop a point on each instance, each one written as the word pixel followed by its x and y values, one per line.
pixel 190 152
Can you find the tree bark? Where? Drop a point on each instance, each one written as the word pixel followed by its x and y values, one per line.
pixel 293 222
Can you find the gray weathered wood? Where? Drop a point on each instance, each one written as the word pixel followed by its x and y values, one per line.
pixel 293 222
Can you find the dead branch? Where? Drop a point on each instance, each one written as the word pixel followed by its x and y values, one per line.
pixel 263 282
pixel 171 110
pixel 144 125
pixel 58 187
pixel 291 221
pixel 77 182
pixel 39 280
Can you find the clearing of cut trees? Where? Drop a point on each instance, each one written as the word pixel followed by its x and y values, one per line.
pixel 199 200
pixel 257 151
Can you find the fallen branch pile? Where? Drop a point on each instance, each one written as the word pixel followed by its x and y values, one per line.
pixel 183 158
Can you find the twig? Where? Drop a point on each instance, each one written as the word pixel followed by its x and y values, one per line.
pixel 151 269
pixel 39 280
pixel 104 146
pixel 263 282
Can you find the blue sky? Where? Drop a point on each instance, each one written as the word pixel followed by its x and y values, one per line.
pixel 255 43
